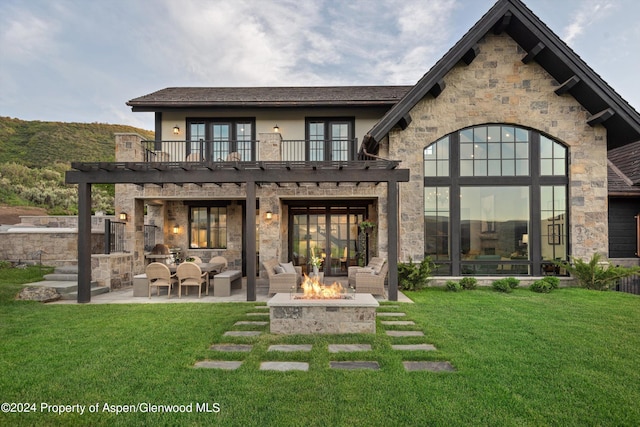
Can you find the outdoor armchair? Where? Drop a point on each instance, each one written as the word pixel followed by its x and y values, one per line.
pixel 190 274
pixel 282 277
pixel 370 279
pixel 159 275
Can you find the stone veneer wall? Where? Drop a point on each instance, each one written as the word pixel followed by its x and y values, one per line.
pixel 498 88
pixel 114 270
pixel 54 247
pixel 166 207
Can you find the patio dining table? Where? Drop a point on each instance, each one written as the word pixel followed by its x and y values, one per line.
pixel 207 267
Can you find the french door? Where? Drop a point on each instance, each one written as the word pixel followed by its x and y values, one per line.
pixel 326 232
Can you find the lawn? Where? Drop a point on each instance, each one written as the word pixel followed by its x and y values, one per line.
pixel 525 359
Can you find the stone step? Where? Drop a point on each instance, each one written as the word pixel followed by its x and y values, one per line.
pixel 67 269
pixel 95 290
pixel 61 277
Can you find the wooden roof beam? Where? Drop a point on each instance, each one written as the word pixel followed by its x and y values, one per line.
pixel 502 24
pixel 567 85
pixel 600 117
pixel 531 55
pixel 471 54
pixel 437 88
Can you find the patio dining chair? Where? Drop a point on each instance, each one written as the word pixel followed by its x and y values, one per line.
pixel 190 274
pixel 159 275
pixel 219 260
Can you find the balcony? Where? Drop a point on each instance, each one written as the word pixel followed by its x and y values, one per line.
pixel 250 151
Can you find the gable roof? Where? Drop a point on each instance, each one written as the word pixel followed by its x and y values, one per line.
pixel 624 169
pixel 548 50
pixel 269 97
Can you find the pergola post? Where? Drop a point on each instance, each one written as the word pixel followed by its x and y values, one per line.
pixel 250 233
pixel 84 242
pixel 392 238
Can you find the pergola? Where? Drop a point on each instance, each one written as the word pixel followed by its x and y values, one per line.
pixel 249 174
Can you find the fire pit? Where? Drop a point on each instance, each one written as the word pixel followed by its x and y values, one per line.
pixel 322 310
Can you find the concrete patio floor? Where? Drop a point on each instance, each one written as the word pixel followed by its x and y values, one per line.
pixel 125 296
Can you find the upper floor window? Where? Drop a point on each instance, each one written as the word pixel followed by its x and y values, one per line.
pixel 221 139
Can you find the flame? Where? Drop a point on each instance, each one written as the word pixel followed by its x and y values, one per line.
pixel 313 289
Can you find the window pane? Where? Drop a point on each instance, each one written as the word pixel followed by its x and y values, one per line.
pixel 508 133
pixel 494 150
pixel 546 147
pixel 480 168
pixel 522 167
pixel 443 168
pixel 430 169
pixel 493 133
pixel 466 167
pixel 493 222
pixel 480 134
pixel 522 151
pixel 436 222
pixel 508 151
pixel 522 135
pixel 466 151
pixel 480 150
pixel 494 168
pixel 508 168
pixel 466 135
pixel 546 167
pixel 553 225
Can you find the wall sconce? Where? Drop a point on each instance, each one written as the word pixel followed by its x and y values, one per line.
pixel 269 215
pixel 122 216
pixel 176 130
pixel 176 229
pixel 276 129
pixel 525 239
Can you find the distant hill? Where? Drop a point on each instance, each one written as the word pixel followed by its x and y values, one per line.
pixel 38 144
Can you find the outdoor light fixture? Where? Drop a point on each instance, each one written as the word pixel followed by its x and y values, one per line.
pixel 269 215
pixel 176 130
pixel 276 129
pixel 122 216
pixel 525 239
pixel 176 228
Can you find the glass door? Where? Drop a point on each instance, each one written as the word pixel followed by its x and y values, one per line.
pixel 330 233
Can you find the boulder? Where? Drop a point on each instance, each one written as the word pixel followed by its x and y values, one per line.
pixel 38 293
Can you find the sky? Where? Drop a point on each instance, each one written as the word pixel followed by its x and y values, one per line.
pixel 81 61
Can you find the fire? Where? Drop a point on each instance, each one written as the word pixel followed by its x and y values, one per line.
pixel 313 289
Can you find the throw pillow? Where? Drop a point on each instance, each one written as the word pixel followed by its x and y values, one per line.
pixel 288 267
pixel 278 269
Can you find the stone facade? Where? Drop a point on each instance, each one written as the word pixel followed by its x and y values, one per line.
pixel 497 87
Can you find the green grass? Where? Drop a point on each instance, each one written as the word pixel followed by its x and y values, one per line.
pixel 565 358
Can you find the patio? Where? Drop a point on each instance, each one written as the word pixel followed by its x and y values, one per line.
pixel 125 296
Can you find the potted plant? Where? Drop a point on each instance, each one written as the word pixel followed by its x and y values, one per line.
pixel 367 226
pixel 316 262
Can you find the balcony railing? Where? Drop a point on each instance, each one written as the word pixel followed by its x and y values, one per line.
pixel 247 151
pixel 200 151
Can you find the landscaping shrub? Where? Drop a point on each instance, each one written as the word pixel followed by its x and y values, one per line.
pixel 541 286
pixel 506 285
pixel 597 275
pixel 553 281
pixel 453 286
pixel 412 276
pixel 4 264
pixel 469 283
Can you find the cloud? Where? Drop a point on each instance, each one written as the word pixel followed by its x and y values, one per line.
pixel 26 37
pixel 589 13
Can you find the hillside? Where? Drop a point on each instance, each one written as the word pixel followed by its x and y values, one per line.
pixel 34 157
pixel 37 144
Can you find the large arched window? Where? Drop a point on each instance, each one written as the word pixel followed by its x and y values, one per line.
pixel 495 201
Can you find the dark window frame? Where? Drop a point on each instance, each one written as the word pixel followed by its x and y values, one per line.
pixel 328 149
pixel 209 205
pixel 534 180
pixel 233 137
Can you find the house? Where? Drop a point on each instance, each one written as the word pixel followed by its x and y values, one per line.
pixel 493 163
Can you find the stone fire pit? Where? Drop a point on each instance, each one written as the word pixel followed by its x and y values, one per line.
pixel 290 316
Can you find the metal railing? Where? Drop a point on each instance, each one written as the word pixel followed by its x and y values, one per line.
pixel 200 151
pixel 113 236
pixel 319 150
pixel 246 151
pixel 630 285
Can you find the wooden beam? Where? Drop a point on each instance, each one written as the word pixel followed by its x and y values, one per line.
pixel 404 122
pixel 471 54
pixel 567 85
pixel 502 24
pixel 600 117
pixel 437 88
pixel 84 243
pixel 250 233
pixel 392 238
pixel 530 56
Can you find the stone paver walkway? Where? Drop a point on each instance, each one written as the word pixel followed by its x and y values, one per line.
pixel 433 366
pixel 290 347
